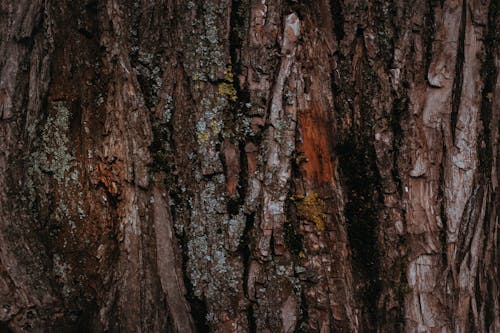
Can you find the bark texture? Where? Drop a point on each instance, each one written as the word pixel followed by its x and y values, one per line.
pixel 249 166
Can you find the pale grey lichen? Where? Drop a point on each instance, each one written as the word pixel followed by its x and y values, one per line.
pixel 168 109
pixel 60 270
pixel 100 100
pixel 208 128
pixel 235 228
pixel 74 175
pixel 52 160
pixel 281 127
pixel 280 270
pixel 210 270
pixel 146 67
pixel 206 45
pixel 220 261
pixel 289 98
pixel 52 155
pixel 81 213
pixel 63 214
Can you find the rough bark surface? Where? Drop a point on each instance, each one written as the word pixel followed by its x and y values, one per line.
pixel 249 166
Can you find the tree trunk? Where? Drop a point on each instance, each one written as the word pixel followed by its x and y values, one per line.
pixel 249 166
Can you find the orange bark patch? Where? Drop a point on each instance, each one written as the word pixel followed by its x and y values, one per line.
pixel 315 130
pixel 110 176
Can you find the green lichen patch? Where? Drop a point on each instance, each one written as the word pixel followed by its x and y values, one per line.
pixel 205 43
pixel 53 166
pixel 52 155
pixel 311 208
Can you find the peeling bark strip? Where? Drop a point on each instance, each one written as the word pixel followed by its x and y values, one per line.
pixel 281 143
pixel 249 166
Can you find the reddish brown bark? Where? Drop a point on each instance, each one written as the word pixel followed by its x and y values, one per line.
pixel 249 166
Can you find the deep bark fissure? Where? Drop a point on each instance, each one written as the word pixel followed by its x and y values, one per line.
pixel 459 67
pixel 252 325
pixel 245 249
pixel 4 327
pixel 361 210
pixel 489 75
pixel 304 315
pixel 428 35
pixel 400 110
pixel 338 19
pixel 442 207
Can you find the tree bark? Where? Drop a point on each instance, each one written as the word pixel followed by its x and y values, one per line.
pixel 249 166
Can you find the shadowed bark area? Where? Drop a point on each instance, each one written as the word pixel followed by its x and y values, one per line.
pixel 249 166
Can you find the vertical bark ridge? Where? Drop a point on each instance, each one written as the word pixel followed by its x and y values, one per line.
pixel 321 257
pixel 487 307
pixel 457 85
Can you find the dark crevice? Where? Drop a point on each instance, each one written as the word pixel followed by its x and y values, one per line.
pixel 244 249
pixel 252 323
pixel 362 183
pixel 86 318
pixel 338 19
pixel 4 328
pixel 359 176
pixel 272 246
pixel 396 314
pixel 160 146
pixel 233 206
pixel 489 305
pixel 442 209
pixel 237 20
pixel 302 325
pixel 400 110
pixel 457 84
pixel 293 239
pixel 243 175
pixel 428 35
pixel 489 74
pixel 486 147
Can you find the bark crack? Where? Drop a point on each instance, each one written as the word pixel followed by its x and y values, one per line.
pixel 459 66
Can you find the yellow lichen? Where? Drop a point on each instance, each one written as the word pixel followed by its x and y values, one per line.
pixel 228 74
pixel 311 208
pixel 215 127
pixel 227 88
pixel 203 137
pixel 489 96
